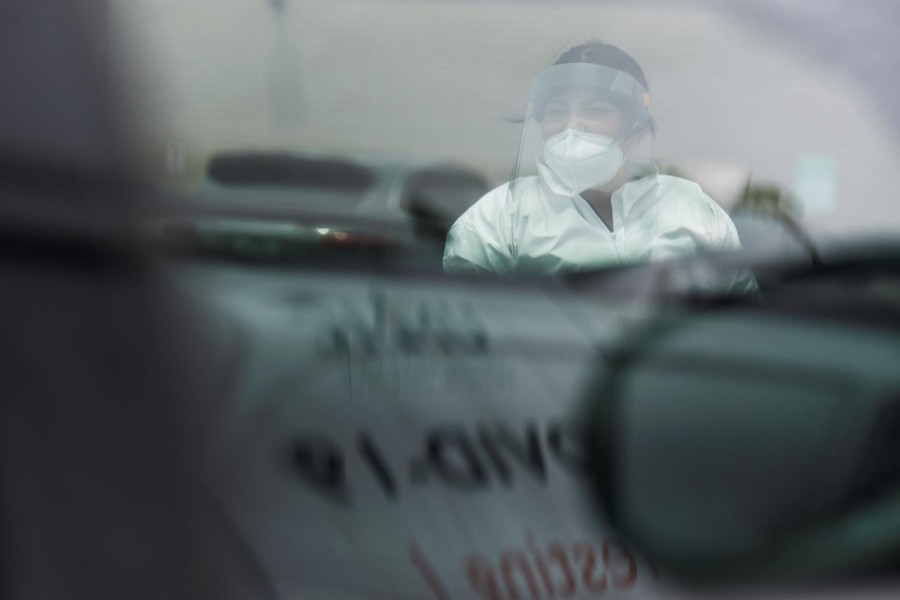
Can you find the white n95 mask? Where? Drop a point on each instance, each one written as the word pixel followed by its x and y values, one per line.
pixel 581 160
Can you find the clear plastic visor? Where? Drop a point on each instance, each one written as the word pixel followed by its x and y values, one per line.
pixel 619 87
pixel 582 96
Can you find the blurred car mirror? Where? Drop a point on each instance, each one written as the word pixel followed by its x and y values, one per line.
pixel 759 442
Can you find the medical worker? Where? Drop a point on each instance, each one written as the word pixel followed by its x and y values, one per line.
pixel 577 200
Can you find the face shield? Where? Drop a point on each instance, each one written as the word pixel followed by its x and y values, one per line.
pixel 577 126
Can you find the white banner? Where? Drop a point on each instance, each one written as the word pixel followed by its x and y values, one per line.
pixel 396 441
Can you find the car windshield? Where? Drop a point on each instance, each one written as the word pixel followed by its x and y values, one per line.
pixel 411 112
pixel 449 298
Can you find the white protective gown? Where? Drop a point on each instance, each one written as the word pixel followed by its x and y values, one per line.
pixel 534 230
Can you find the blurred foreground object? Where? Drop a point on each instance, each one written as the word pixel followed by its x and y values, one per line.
pixel 759 443
pixel 96 470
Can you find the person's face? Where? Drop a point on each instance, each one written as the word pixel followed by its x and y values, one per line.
pixel 582 110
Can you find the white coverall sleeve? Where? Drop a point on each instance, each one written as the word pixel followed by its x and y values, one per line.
pixel 693 223
pixel 476 243
pixel 723 237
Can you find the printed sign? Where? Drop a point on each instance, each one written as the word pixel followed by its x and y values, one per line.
pixel 400 443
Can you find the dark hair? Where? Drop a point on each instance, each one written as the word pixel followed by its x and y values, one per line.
pixel 607 55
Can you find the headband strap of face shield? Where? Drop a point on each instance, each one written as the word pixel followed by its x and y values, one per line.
pixel 620 87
